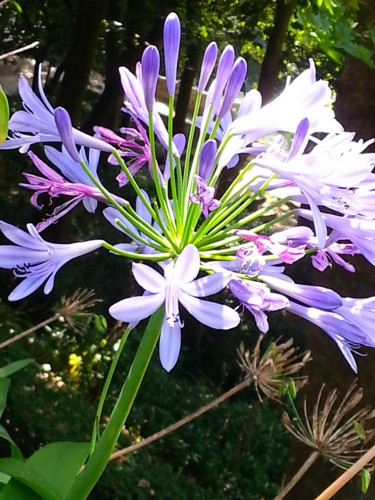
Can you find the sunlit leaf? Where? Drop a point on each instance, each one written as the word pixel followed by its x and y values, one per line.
pixel 365 480
pixel 18 491
pixel 4 386
pixel 4 115
pixel 49 472
pixel 14 367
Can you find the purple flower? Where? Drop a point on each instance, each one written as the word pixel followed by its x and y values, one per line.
pixel 208 63
pixel 205 197
pixel 234 85
pixel 348 336
pixel 223 71
pixel 359 230
pixel 172 36
pixel 288 253
pixel 134 147
pixel 207 159
pixel 304 97
pixel 150 74
pixel 37 123
pixel 314 296
pixel 257 298
pixel 35 260
pixel 65 129
pixel 74 182
pixel 135 104
pixel 177 286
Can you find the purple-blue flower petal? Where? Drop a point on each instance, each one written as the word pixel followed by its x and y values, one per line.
pixel 135 309
pixel 148 278
pixel 172 36
pixel 64 127
pixel 208 63
pixel 234 85
pixel 218 316
pixel 169 345
pixel 187 265
pixel 150 75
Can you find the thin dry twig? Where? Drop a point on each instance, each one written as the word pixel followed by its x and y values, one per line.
pixel 347 475
pixel 267 371
pixel 180 423
pixel 33 329
pixel 18 51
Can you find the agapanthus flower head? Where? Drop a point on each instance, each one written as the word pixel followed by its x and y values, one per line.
pixel 208 232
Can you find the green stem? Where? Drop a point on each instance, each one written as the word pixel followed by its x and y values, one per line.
pixel 97 462
pixel 108 380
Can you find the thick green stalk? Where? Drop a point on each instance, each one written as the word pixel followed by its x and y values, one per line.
pixel 97 462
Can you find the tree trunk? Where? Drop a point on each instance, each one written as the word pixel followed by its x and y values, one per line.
pixel 271 63
pixel 186 85
pixel 85 31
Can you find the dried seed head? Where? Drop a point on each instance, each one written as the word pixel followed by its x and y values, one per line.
pixel 337 428
pixel 75 307
pixel 274 369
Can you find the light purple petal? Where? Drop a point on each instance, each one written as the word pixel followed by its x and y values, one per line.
pixel 235 82
pixel 169 345
pixel 300 138
pixel 27 287
pixel 12 256
pixel 148 278
pixel 135 309
pixel 64 126
pixel 208 63
pixel 172 36
pixel 208 285
pixel 207 159
pixel 150 75
pixel 20 237
pixel 211 314
pixel 187 265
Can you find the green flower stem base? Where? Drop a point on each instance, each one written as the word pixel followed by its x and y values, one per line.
pixel 99 459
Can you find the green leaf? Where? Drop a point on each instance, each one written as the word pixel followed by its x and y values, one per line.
pixel 28 476
pixel 15 451
pixel 100 323
pixel 359 430
pixel 7 370
pixel 4 115
pixel 365 480
pixel 62 462
pixel 4 478
pixel 292 389
pixel 17 491
pixel 49 472
pixel 4 386
pixel 17 7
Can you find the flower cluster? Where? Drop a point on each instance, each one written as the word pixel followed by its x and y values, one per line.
pixel 201 242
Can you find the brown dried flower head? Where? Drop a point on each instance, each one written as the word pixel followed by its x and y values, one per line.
pixel 337 429
pixel 274 369
pixel 75 307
